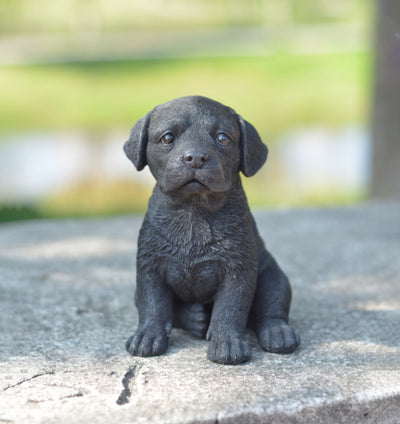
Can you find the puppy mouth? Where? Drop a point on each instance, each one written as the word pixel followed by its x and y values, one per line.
pixel 194 185
pixel 196 182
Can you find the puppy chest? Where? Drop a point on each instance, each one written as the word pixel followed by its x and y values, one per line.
pixel 194 261
pixel 197 282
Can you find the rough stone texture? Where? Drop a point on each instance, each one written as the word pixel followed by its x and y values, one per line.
pixel 66 309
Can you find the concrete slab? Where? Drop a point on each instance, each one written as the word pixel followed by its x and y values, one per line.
pixel 66 309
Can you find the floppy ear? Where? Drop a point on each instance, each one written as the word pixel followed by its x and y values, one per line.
pixel 252 150
pixel 135 147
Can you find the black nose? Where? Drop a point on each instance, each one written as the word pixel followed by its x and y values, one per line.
pixel 195 159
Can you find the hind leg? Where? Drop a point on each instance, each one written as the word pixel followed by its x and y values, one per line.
pixel 192 317
pixel 270 309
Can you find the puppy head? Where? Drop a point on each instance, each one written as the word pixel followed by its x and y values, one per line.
pixel 195 144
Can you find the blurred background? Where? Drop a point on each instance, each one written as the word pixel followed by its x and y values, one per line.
pixel 319 80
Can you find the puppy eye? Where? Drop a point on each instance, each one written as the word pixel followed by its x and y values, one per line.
pixel 222 138
pixel 167 138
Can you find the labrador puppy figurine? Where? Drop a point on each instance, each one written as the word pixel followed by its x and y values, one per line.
pixel 201 264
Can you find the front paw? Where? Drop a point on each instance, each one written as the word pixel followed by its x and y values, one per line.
pixel 228 349
pixel 277 337
pixel 149 340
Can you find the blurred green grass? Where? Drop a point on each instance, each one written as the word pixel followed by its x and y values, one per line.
pixel 275 92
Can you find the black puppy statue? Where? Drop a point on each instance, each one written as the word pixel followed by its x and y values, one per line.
pixel 201 264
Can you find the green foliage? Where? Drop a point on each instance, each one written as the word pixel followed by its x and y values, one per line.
pixel 274 92
pixel 18 213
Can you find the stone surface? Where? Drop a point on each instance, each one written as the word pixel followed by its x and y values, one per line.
pixel 66 309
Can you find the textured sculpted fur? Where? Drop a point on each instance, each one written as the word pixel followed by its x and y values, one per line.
pixel 201 264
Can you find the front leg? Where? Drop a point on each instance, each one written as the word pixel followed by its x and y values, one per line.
pixel 229 318
pixel 154 303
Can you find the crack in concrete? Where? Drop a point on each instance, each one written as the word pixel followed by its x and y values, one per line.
pixel 126 392
pixel 78 394
pixel 28 379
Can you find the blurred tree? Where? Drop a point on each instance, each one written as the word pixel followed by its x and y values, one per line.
pixel 386 105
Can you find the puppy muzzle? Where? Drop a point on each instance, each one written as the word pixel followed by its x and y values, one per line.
pixel 194 172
